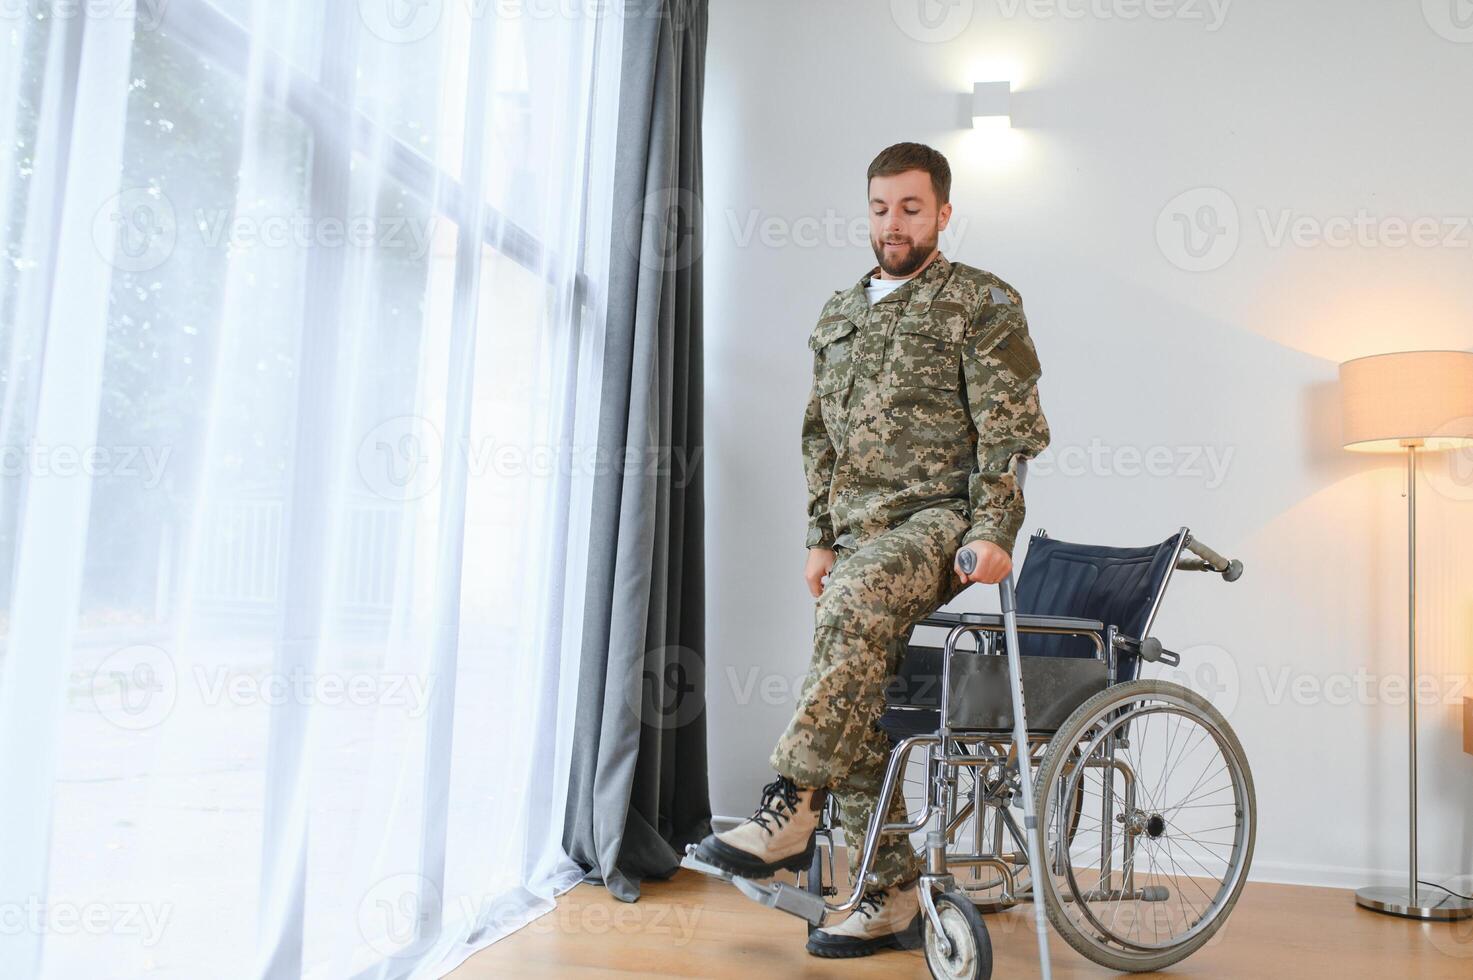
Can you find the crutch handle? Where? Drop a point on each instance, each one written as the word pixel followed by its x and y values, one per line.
pixel 966 560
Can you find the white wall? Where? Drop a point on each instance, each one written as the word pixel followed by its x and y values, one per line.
pixel 1313 110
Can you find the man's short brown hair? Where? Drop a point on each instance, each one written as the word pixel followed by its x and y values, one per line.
pixel 901 157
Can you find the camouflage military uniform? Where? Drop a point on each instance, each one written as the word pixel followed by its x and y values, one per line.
pixel 898 480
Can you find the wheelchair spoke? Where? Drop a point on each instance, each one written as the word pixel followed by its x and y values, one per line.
pixel 1171 855
pixel 1184 838
pixel 1176 882
pixel 1202 806
pixel 1185 912
pixel 1187 855
pixel 1124 873
pixel 1202 776
pixel 1200 796
pixel 1170 767
pixel 1182 900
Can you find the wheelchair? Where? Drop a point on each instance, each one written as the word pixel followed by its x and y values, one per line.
pixel 1138 815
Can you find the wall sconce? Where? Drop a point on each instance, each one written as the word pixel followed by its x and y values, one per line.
pixel 992 101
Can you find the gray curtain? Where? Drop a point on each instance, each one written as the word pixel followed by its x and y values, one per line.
pixel 638 790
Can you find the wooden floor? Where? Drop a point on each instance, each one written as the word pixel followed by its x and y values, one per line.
pixel 694 926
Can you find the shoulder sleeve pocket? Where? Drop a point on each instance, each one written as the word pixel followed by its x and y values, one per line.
pixel 1015 349
pixel 1000 330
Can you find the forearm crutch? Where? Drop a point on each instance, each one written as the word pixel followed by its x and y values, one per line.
pixel 1025 772
pixel 1008 598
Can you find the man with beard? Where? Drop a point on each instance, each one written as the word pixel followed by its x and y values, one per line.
pixel 924 400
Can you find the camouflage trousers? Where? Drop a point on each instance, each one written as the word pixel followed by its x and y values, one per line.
pixel 875 594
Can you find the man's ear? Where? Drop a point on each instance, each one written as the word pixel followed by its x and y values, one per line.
pixel 943 217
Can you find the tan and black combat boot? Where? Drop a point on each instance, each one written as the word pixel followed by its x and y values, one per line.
pixel 779 836
pixel 888 919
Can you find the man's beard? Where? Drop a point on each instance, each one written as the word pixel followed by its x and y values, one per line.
pixel 908 262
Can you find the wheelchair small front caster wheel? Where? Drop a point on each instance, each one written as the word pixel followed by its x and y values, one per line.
pixel 971 947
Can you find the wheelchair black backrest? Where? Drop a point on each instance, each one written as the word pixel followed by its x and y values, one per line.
pixel 1116 586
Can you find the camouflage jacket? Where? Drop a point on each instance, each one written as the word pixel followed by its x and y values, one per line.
pixel 927 399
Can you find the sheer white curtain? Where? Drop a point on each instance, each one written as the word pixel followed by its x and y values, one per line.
pixel 299 326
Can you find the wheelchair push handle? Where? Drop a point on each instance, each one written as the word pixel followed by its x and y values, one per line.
pixel 1208 560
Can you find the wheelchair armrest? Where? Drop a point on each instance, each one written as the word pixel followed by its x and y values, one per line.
pixel 1026 623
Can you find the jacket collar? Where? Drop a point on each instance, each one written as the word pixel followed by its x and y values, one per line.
pixel 915 295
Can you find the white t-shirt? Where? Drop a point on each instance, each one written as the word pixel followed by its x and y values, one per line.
pixel 879 288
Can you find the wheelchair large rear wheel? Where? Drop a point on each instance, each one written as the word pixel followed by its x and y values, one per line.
pixel 1157 861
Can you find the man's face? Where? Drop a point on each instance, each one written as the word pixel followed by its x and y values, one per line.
pixel 905 224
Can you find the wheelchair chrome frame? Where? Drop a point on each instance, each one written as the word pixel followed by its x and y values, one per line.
pixel 941 767
pixel 939 781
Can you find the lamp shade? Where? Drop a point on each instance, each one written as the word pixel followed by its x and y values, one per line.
pixel 1421 397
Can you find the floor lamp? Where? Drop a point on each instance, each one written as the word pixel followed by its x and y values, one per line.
pixel 1413 402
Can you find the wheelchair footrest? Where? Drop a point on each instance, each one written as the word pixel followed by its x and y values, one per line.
pixel 776 895
pixel 696 864
pixel 785 898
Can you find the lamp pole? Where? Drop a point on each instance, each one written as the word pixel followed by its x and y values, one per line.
pixel 1395 901
pixel 1412 445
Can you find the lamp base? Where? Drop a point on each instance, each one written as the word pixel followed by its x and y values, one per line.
pixel 1432 903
